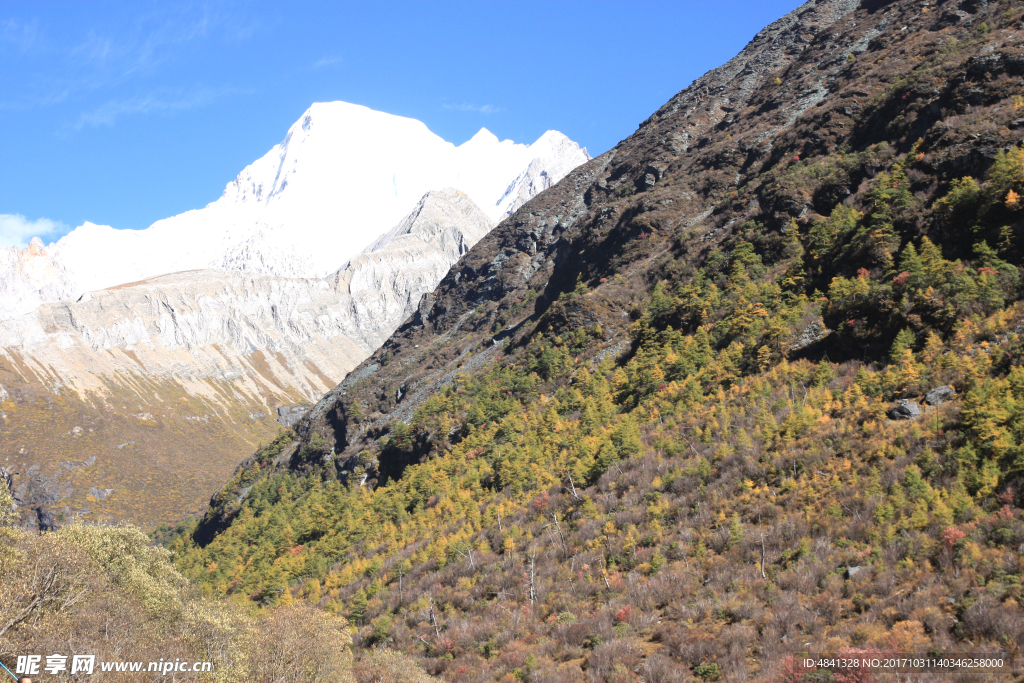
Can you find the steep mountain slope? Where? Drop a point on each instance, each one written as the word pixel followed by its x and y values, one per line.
pixel 745 388
pixel 343 174
pixel 390 277
pixel 554 156
pixel 430 223
pixel 176 378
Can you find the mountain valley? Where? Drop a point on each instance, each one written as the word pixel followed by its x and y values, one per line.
pixel 744 391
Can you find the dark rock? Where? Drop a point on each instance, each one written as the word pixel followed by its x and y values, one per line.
pixel 826 198
pixel 952 16
pixel 99 494
pixel 973 6
pixel 423 310
pixel 995 64
pixel 905 410
pixel 939 395
pixel 654 172
pixel 875 5
pixel 46 520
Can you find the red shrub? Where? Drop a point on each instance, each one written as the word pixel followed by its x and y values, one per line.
pixel 624 614
pixel 951 536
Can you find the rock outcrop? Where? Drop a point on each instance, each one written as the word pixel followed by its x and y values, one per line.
pixel 556 155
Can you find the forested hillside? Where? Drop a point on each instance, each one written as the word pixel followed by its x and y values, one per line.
pixel 747 386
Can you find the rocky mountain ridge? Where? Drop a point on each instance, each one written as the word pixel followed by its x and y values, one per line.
pixel 31 276
pixel 613 210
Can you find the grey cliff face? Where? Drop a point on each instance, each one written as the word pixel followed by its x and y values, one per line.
pixel 387 281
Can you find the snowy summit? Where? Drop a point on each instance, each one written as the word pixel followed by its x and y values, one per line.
pixel 343 175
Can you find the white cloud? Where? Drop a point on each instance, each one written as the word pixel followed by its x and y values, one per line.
pixel 484 109
pixel 16 230
pixel 327 61
pixel 154 39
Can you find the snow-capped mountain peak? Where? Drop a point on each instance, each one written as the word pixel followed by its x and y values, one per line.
pixel 342 175
pixel 482 137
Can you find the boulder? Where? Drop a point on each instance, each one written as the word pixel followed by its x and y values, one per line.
pixel 939 395
pixel 852 571
pixel 905 410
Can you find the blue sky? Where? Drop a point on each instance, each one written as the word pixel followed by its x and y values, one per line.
pixel 122 113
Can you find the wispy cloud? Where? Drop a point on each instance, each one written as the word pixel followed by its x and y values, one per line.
pixel 140 48
pixel 99 50
pixel 109 59
pixel 16 230
pixel 22 35
pixel 483 109
pixel 240 32
pixel 155 103
pixel 329 60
